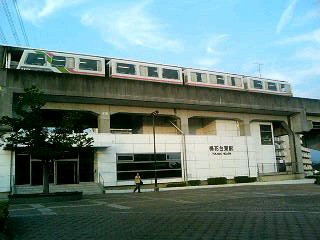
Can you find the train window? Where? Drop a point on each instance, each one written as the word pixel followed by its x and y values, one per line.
pixel 125 68
pixel 38 59
pixel 257 84
pixel 70 62
pixel 149 71
pixel 283 88
pixel 198 77
pixel 233 81
pixel 170 73
pixel 88 64
pixel 272 86
pixel 58 61
pixel 220 79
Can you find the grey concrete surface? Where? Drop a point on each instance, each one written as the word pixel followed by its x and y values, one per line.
pixel 246 212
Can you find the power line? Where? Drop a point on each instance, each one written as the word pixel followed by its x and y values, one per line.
pixel 21 23
pixel 2 36
pixel 10 20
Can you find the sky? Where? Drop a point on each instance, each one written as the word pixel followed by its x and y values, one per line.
pixel 282 36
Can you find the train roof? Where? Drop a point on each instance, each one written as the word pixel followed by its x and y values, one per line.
pixel 12 47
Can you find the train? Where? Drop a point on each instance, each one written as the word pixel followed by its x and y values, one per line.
pixel 71 63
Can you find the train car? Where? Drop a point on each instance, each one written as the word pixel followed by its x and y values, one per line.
pixel 213 79
pixel 145 71
pixel 269 86
pixel 41 60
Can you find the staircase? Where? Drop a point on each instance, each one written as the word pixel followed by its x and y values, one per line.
pixel 88 188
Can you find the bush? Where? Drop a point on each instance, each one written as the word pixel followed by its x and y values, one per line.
pixel 3 215
pixel 317 181
pixel 217 180
pixel 194 182
pixel 244 179
pixel 177 184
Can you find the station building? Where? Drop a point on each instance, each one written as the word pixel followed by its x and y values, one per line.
pixel 201 131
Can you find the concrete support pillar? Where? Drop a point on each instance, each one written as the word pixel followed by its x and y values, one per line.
pixel 183 120
pixel 245 128
pixel 296 153
pixel 104 122
pixel 295 149
pixel 184 125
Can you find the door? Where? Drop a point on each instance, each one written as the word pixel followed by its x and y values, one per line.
pixel 67 172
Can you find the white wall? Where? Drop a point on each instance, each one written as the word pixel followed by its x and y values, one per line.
pixel 130 143
pixel 227 128
pixel 5 157
pixel 265 154
pixel 202 163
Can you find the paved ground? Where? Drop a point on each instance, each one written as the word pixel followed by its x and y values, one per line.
pixel 246 212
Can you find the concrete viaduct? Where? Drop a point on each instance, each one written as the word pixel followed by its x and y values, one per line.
pixel 291 116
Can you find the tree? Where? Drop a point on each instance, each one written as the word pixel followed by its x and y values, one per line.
pixel 28 129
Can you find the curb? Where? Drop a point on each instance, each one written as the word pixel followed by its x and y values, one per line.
pixel 286 182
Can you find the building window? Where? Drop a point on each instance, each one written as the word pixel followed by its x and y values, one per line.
pixel 266 135
pixel 257 84
pixel 170 73
pixel 272 86
pixel 168 165
pixel 125 68
pixel 38 59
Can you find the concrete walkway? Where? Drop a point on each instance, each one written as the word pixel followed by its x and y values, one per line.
pixel 299 181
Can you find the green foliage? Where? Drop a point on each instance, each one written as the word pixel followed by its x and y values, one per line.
pixel 217 181
pixel 244 179
pixel 177 184
pixel 194 182
pixel 30 130
pixel 3 215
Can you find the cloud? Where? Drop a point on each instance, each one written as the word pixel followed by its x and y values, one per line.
pixel 286 16
pixel 308 54
pixel 313 37
pixel 208 62
pixel 36 11
pixel 124 26
pixel 310 15
pixel 304 79
pixel 214 41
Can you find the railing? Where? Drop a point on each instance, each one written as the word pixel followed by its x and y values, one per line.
pixel 272 168
pixel 121 131
pixel 13 185
pixel 101 182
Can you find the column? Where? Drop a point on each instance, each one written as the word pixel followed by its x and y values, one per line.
pixel 104 122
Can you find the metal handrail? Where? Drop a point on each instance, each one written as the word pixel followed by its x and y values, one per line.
pixel 101 183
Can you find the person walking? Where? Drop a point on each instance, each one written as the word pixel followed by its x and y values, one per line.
pixel 138 182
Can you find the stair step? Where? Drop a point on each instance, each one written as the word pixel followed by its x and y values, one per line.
pixel 87 188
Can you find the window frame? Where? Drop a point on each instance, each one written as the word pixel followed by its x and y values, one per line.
pixel 275 85
pixel 264 132
pixel 150 162
pixel 172 69
pixel 36 53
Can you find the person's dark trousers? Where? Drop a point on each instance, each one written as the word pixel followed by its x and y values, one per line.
pixel 137 187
